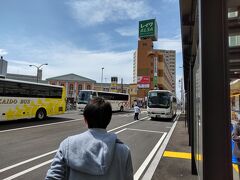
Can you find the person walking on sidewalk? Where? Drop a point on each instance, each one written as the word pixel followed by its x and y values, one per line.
pixel 137 111
pixel 236 140
pixel 95 153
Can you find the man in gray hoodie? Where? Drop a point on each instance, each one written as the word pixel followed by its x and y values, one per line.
pixel 94 154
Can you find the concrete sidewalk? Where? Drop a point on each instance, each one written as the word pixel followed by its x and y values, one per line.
pixel 175 163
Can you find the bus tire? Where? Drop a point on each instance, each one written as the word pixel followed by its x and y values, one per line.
pixel 41 114
pixel 121 108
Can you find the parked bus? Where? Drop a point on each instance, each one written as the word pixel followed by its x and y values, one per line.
pixel 161 104
pixel 20 99
pixel 119 101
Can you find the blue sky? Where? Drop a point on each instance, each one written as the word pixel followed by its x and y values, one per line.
pixel 81 36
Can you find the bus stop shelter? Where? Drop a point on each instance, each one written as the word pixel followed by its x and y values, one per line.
pixel 210 63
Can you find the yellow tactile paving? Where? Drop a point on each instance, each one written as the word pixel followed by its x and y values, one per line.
pixel 172 154
pixel 235 167
pixel 184 155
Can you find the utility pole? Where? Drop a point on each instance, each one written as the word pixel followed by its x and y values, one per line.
pixel 102 79
pixel 122 85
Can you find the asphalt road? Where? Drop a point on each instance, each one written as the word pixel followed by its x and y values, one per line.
pixel 28 146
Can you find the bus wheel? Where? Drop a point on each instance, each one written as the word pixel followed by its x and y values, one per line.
pixel 121 108
pixel 41 114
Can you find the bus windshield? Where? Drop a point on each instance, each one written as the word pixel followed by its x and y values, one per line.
pixel 84 97
pixel 159 100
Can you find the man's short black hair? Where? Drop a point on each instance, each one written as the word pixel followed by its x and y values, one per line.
pixel 98 113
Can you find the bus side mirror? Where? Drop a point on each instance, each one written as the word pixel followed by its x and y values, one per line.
pixel 91 96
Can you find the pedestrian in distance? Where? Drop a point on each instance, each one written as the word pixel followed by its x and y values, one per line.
pixel 95 153
pixel 137 111
pixel 236 140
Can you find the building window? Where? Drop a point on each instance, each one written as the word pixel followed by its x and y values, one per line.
pixel 79 87
pixel 234 40
pixel 232 14
pixel 70 89
pixel 88 87
pixel 160 72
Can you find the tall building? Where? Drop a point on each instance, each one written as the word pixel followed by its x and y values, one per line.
pixel 170 58
pixel 150 70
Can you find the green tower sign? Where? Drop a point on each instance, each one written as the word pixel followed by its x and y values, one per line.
pixel 148 29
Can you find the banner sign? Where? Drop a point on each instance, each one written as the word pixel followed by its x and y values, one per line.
pixel 143 80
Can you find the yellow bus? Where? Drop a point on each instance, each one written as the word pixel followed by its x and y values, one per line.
pixel 21 99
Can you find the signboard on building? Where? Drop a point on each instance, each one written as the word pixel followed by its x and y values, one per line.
pixel 148 29
pixel 114 81
pixel 143 86
pixel 143 82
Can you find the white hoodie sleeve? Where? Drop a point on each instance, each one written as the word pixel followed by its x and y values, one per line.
pixel 58 167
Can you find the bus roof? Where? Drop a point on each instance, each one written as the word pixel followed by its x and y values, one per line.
pixel 105 92
pixel 160 91
pixel 28 82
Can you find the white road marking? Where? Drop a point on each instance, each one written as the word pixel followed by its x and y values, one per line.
pixel 29 160
pixel 51 152
pixel 44 125
pixel 28 170
pixel 39 165
pixel 144 165
pixel 29 127
pixel 152 167
pixel 145 130
pixel 120 131
pixel 127 124
pixel 129 114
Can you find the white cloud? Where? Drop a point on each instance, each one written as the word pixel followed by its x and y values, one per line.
pixel 98 11
pixel 64 59
pixel 174 43
pixel 127 31
pixel 3 52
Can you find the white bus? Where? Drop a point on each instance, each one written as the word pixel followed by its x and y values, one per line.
pixel 21 99
pixel 119 101
pixel 161 104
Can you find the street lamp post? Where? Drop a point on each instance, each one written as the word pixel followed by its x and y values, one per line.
pixel 182 93
pixel 102 79
pixel 38 68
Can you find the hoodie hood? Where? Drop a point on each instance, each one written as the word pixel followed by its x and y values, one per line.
pixel 92 151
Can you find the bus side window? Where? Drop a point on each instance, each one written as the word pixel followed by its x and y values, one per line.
pixel 94 94
pixel 1 88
